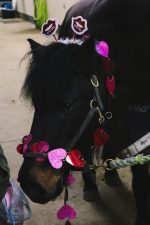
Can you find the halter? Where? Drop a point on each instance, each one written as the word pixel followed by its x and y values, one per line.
pixel 73 156
pixel 96 106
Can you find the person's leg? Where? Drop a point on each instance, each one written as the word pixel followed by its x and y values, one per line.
pixel 4 174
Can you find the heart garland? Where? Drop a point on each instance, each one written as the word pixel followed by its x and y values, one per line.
pixel 55 156
pixel 102 49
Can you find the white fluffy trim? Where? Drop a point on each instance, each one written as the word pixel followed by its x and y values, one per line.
pixel 68 41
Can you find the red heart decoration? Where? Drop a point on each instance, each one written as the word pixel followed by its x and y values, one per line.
pixel 20 149
pixel 110 83
pixel 75 159
pixel 34 147
pixel 41 146
pixel 100 137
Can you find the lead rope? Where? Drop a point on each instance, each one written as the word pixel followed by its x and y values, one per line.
pixel 111 164
pixel 139 159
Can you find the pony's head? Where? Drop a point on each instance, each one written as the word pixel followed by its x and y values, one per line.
pixel 58 85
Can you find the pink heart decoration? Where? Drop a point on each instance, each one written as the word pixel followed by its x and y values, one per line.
pixel 25 147
pixel 70 179
pixel 56 156
pixel 102 49
pixel 26 139
pixel 66 211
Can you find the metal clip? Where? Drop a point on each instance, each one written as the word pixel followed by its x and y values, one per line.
pixel 101 117
pixel 92 104
pixel 94 81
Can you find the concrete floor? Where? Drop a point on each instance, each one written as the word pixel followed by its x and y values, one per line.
pixel 116 206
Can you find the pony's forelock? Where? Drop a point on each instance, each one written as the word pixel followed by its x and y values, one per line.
pixel 52 71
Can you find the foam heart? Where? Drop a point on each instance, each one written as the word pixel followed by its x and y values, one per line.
pixel 26 139
pixel 34 147
pixel 110 83
pixel 100 137
pixel 20 149
pixel 75 159
pixel 102 49
pixel 70 179
pixel 66 211
pixel 56 156
pixel 41 146
pixel 25 147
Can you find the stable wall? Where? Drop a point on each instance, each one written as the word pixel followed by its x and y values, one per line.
pixel 56 8
pixel 26 7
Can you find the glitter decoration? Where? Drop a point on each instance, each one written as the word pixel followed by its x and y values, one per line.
pixel 102 49
pixel 56 156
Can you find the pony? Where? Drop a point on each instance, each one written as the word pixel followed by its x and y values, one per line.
pixel 58 85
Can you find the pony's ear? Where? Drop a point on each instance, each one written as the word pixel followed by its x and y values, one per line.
pixel 35 47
